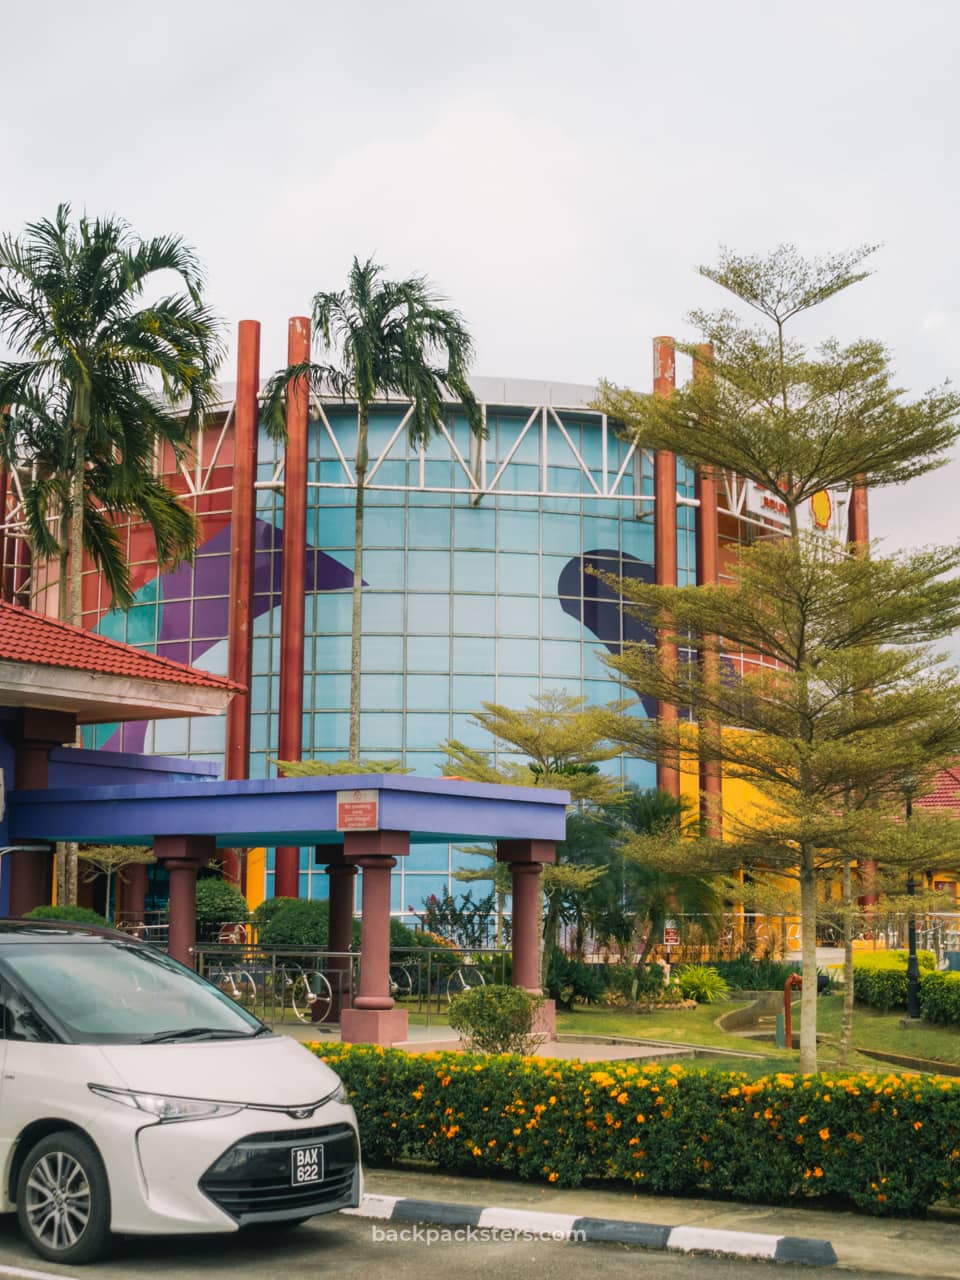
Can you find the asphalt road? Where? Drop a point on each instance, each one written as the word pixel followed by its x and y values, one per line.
pixel 352 1248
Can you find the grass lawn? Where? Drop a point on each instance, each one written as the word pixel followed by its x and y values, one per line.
pixel 871 1030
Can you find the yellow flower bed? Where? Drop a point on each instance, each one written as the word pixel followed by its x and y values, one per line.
pixel 886 1143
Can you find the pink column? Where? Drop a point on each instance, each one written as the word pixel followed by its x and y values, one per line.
pixel 135 891
pixel 373 1018
pixel 290 730
pixel 342 879
pixel 665 538
pixel 246 426
pixel 183 856
pixel 526 859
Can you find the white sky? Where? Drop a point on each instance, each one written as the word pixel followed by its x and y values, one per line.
pixel 557 169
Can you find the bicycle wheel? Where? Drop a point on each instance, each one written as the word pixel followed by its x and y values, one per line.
pixel 247 990
pixel 401 982
pixel 464 979
pixel 312 997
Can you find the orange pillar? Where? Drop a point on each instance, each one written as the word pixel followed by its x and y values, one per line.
pixel 286 882
pixel 246 426
pixel 665 541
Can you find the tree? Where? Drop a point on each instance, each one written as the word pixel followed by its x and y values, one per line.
pixel 111 859
pixel 388 338
pixel 842 701
pixel 564 742
pixel 102 376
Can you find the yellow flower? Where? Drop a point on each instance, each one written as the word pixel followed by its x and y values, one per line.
pixel 918 1124
pixel 824 1135
pixel 418 1094
pixel 621 1098
pixel 553 1177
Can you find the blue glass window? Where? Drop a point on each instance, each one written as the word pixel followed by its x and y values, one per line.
pixel 333 653
pixel 470 734
pixel 426 731
pixel 382 612
pixel 382 693
pixel 335 527
pixel 428 653
pixel 384 570
pixel 470 691
pixel 418 888
pixel 473 653
pixel 170 736
pixel 427 614
pixel 519 574
pixel 428 692
pixel 518 657
pixel 334 610
pixel 518 615
pixel 474 571
pixel 561 534
pixel 331 693
pixel 519 530
pixel 561 658
pixel 381 653
pixel 427 857
pixel 472 614
pixel 426 764
pixel 380 731
pixel 475 527
pixel 330 729
pixel 516 691
pixel 383 526
pixel 643 773
pixel 429 527
pixel 428 570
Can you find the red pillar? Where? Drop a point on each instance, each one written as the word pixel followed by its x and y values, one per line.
pixel 290 730
pixel 665 540
pixel 183 856
pixel 37 733
pixel 373 1018
pixel 708 573
pixel 246 425
pixel 135 892
pixel 342 880
pixel 526 859
pixel 3 536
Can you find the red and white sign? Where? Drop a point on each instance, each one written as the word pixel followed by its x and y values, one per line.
pixel 671 933
pixel 358 810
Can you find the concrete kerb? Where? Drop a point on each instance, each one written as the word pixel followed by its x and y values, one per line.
pixel 559 1226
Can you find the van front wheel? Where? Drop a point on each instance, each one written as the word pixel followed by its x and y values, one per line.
pixel 63 1199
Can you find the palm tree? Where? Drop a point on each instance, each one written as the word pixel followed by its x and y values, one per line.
pixel 102 376
pixel 389 338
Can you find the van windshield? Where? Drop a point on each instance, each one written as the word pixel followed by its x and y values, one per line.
pixel 114 992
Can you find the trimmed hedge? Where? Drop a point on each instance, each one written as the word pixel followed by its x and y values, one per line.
pixel 69 914
pixel 880 982
pixel 888 1144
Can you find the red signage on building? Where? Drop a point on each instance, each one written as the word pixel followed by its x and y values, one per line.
pixel 358 810
pixel 671 933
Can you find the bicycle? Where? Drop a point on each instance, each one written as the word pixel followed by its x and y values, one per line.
pixel 464 978
pixel 401 982
pixel 311 996
pixel 238 984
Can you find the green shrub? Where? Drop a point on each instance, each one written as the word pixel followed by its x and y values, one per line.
pixel 299 922
pixel 400 935
pixel 220 902
pixel 886 1144
pixel 496 1019
pixel 571 980
pixel 755 973
pixel 880 978
pixel 702 983
pixel 268 908
pixel 940 997
pixel 67 913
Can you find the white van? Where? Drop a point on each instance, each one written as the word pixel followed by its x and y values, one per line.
pixel 135 1097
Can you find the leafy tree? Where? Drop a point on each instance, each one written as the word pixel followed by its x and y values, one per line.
pixel 111 859
pixel 843 701
pixel 386 338
pixel 565 742
pixel 100 377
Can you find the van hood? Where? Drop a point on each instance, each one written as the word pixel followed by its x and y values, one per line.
pixel 272 1071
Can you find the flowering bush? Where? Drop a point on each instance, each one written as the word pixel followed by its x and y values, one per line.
pixel 884 1143
pixel 496 1019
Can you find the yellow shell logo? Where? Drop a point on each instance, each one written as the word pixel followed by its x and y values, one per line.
pixel 822 509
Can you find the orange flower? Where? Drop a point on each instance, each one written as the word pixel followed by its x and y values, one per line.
pixel 824 1135
pixel 553 1177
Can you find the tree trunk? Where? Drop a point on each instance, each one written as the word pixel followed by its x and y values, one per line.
pixel 81 425
pixel 808 944
pixel 846 1023
pixel 551 931
pixel 356 620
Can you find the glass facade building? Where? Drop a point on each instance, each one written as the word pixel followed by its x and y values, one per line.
pixel 478 585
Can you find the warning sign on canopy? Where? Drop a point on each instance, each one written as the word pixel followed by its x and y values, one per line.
pixel 358 810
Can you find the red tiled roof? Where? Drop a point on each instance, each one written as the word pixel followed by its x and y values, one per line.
pixel 26 636
pixel 946 791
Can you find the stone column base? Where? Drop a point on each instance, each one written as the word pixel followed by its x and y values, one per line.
pixel 545 1020
pixel 374 1026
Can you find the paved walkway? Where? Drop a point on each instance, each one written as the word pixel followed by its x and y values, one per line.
pixel 440 1037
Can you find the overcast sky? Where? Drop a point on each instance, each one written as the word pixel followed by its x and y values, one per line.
pixel 557 169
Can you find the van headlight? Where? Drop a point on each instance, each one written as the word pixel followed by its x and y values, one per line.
pixel 167 1109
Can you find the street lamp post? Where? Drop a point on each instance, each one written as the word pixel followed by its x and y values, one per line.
pixel 913 968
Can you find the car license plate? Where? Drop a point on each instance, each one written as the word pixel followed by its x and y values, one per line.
pixel 306 1165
